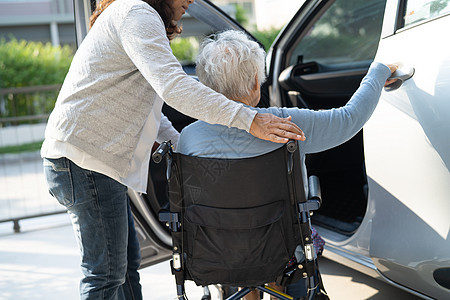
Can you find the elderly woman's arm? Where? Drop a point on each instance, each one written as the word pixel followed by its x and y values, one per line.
pixel 328 128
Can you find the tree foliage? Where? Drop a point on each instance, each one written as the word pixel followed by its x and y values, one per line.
pixel 241 15
pixel 184 49
pixel 266 37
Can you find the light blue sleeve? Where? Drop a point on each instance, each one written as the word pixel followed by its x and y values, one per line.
pixel 323 129
pixel 183 142
pixel 326 129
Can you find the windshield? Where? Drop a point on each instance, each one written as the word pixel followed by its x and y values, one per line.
pixel 263 19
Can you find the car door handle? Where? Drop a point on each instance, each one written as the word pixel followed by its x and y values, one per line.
pixel 401 74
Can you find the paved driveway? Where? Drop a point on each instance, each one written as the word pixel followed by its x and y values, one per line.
pixel 42 262
pixel 23 190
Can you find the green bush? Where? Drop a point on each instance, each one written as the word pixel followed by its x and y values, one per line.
pixel 266 37
pixel 185 49
pixel 24 63
pixel 241 15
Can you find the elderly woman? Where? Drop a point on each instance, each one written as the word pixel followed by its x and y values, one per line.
pixel 233 65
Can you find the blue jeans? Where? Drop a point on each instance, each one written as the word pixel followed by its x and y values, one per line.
pixel 101 217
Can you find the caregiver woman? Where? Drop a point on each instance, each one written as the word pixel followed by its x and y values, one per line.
pixel 108 115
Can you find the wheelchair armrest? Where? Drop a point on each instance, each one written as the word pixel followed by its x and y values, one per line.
pixel 314 189
pixel 162 150
pixel 171 219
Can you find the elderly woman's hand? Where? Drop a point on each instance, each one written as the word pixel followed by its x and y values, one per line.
pixel 393 68
pixel 275 129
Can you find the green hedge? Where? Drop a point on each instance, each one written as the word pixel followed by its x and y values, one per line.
pixel 25 63
pixel 185 48
pixel 266 37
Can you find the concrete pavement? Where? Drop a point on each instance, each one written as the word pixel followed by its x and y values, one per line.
pixel 23 189
pixel 42 262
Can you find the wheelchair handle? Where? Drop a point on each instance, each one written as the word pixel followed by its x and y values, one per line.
pixel 315 192
pixel 291 146
pixel 162 150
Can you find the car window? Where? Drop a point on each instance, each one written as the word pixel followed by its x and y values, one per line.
pixel 418 10
pixel 348 31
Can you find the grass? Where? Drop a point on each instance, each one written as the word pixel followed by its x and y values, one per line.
pixel 21 148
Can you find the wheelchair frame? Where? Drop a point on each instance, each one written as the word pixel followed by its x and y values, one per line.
pixel 307 269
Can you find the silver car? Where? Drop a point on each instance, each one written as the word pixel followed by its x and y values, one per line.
pixel 386 192
pixel 386 208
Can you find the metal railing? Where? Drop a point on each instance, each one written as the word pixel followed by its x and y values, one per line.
pixel 23 192
pixel 29 90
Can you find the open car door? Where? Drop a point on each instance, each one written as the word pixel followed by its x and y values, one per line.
pixel 318 63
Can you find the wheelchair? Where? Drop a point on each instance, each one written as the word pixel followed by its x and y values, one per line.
pixel 237 222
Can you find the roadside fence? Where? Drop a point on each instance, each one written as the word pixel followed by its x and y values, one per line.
pixel 23 191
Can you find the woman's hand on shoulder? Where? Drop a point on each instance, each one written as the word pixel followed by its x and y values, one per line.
pixel 275 129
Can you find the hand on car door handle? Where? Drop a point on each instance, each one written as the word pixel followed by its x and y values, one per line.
pixel 401 74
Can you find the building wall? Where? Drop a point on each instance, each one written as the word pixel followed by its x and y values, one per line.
pixel 275 14
pixel 53 21
pixel 265 14
pixel 38 20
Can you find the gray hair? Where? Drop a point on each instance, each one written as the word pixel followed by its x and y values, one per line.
pixel 228 63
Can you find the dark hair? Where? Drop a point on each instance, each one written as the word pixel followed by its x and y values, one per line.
pixel 161 6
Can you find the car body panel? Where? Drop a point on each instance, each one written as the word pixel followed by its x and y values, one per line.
pixel 407 148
